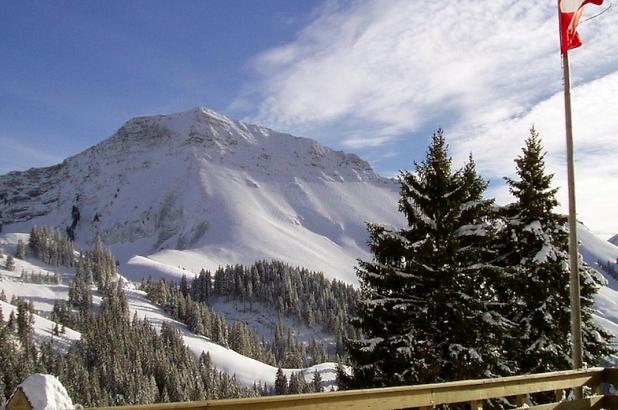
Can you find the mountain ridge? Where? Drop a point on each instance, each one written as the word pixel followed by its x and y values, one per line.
pixel 198 189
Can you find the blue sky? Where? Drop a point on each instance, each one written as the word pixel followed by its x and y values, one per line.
pixel 371 77
pixel 73 72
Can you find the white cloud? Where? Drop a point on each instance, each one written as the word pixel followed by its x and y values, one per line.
pixel 595 128
pixel 484 70
pixel 395 62
pixel 362 142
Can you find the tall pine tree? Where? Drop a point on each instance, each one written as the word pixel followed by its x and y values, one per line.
pixel 535 253
pixel 427 312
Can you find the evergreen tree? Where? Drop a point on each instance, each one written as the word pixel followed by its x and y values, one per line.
pixel 184 285
pixel 535 253
pixel 294 385
pixel 10 263
pixel 316 382
pixel 21 250
pixel 281 383
pixel 201 286
pixel 427 312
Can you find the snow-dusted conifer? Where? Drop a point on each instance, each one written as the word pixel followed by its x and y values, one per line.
pixel 281 383
pixel 427 310
pixel 535 252
pixel 20 252
pixel 316 382
pixel 9 263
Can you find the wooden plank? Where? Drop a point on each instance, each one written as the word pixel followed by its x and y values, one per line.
pixel 590 403
pixel 405 396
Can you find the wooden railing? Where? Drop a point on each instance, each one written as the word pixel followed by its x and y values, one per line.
pixel 474 392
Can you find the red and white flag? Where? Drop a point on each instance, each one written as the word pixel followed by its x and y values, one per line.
pixel 570 13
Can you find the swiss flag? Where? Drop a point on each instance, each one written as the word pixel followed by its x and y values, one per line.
pixel 570 14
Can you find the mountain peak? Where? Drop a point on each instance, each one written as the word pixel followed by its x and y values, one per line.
pixel 206 135
pixel 198 181
pixel 180 123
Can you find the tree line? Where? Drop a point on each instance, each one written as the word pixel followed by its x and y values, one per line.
pixel 292 291
pixel 49 245
pixel 176 299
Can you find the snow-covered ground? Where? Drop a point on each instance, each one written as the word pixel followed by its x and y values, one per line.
pixel 596 251
pixel 43 328
pixel 247 370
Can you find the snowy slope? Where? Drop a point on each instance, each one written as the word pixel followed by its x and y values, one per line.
pixel 43 328
pixel 594 251
pixel 247 370
pixel 197 189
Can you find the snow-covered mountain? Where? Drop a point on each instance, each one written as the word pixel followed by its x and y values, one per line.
pixel 198 189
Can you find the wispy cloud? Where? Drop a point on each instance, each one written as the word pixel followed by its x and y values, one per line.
pixel 363 142
pixel 484 70
pixel 401 63
pixel 17 155
pixel 596 148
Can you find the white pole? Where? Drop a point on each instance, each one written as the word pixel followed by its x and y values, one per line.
pixel 576 326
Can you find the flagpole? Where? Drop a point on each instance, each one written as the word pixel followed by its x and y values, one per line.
pixel 576 326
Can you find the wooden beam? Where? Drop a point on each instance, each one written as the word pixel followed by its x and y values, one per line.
pixel 427 395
